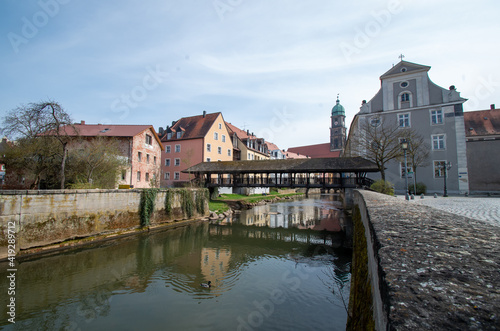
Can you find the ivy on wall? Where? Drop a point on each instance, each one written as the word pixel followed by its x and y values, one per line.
pixel 169 200
pixel 187 202
pixel 147 205
pixel 201 198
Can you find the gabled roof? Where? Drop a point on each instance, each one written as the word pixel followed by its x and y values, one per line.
pixel 315 151
pixel 292 155
pixel 403 68
pixel 341 164
pixel 240 133
pixel 482 122
pixel 193 127
pixel 271 146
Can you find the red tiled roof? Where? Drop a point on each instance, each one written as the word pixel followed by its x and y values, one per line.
pixel 240 133
pixel 482 122
pixel 292 155
pixel 315 151
pixel 107 130
pixel 271 146
pixel 193 127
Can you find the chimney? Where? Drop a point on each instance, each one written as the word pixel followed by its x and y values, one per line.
pixel 173 123
pixel 160 130
pixel 82 122
pixel 452 87
pixel 492 106
pixel 248 132
pixel 204 114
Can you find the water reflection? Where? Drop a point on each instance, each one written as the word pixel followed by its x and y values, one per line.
pixel 152 280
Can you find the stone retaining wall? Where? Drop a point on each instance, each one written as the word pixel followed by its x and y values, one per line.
pixel 42 218
pixel 428 269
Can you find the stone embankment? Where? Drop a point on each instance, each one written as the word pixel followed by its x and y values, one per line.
pixel 428 269
pixel 36 220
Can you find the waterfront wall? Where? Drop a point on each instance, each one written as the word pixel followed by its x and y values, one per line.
pixel 416 267
pixel 41 218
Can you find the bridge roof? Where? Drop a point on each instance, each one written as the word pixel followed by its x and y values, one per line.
pixel 340 164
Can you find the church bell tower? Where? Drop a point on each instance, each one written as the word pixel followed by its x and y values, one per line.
pixel 338 129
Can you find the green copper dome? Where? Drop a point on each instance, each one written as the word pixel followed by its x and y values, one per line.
pixel 338 109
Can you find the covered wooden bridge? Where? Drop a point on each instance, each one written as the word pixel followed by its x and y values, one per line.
pixel 325 173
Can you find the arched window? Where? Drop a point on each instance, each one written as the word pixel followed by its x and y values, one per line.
pixel 405 100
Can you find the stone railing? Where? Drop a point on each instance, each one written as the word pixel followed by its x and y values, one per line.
pixel 415 267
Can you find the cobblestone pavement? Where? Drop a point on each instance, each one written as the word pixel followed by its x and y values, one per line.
pixel 479 208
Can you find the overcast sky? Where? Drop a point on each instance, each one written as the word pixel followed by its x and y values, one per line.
pixel 272 67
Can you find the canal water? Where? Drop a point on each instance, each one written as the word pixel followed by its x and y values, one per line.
pixel 283 266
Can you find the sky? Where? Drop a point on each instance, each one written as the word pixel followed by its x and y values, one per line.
pixel 274 68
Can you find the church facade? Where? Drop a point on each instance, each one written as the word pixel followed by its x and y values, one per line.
pixel 408 99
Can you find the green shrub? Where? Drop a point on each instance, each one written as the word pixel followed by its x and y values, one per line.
pixel 169 200
pixel 382 186
pixel 187 202
pixel 421 188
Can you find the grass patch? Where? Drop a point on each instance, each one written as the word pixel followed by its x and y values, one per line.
pixel 254 197
pixel 217 206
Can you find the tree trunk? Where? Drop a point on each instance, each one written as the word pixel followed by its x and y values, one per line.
pixel 63 165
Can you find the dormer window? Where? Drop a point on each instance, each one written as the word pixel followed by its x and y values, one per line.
pixel 169 135
pixel 179 134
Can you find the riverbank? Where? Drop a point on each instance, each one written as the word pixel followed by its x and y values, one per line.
pixel 32 221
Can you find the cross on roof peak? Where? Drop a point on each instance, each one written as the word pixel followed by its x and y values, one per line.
pixel 401 56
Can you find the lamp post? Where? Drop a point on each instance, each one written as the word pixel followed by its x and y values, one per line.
pixel 445 166
pixel 404 147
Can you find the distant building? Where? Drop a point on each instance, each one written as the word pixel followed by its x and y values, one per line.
pixel 409 99
pixel 292 155
pixel 140 146
pixel 246 145
pixel 482 129
pixel 275 152
pixel 337 143
pixel 191 140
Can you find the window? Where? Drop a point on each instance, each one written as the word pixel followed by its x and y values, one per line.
pixel 375 121
pixel 179 134
pixel 249 156
pixel 402 169
pixel 138 176
pixel 169 135
pixel 439 169
pixel 177 175
pixel 147 158
pixel 436 116
pixel 208 159
pixel 404 84
pixel 405 97
pixel 167 149
pixel 404 120
pixel 438 141
pixel 219 150
pixel 167 162
pixel 223 138
pixel 177 162
pixel 149 140
pixel 166 176
pixel 154 160
pixel 216 136
pixel 147 176
pixel 228 152
pixel 220 126
pixel 177 148
pixel 139 156
pixel 209 148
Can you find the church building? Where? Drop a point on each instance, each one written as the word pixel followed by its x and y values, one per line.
pixel 335 148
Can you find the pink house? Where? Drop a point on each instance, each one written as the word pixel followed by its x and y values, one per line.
pixel 139 145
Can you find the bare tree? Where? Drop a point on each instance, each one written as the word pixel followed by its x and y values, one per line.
pixel 377 140
pixel 41 119
pixel 418 150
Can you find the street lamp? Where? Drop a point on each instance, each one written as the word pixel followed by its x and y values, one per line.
pixel 445 166
pixel 404 147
